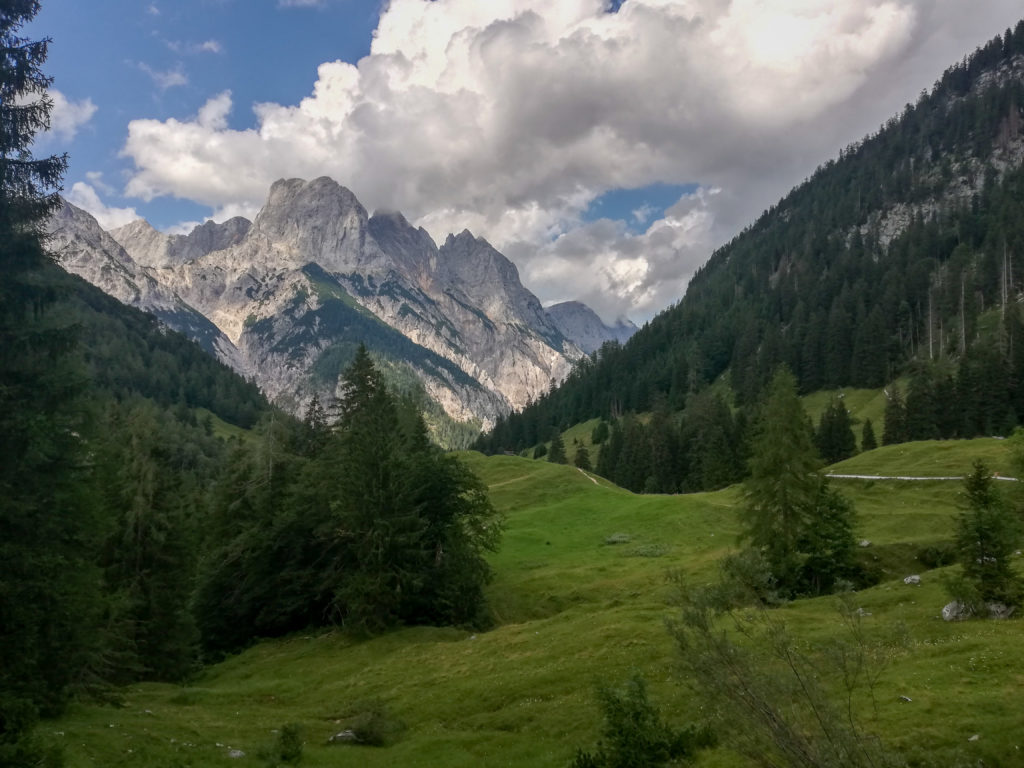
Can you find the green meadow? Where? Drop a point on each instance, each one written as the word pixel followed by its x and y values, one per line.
pixel 581 596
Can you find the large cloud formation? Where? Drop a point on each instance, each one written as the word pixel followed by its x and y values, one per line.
pixel 510 117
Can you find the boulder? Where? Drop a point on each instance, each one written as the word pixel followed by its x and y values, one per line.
pixel 914 579
pixel 999 610
pixel 956 611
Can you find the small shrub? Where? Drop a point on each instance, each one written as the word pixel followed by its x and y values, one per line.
pixel 373 724
pixel 937 555
pixel 286 748
pixel 634 734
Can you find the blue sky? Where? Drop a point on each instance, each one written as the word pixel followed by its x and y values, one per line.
pixel 606 146
pixel 127 57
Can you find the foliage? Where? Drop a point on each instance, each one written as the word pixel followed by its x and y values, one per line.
pixel 286 748
pixel 556 451
pixel 363 524
pixel 373 724
pixel 581 459
pixel 634 736
pixel 768 692
pixel 868 442
pixel 48 594
pixel 834 437
pixel 803 528
pixel 988 532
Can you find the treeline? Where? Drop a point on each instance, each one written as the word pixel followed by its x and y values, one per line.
pixel 817 284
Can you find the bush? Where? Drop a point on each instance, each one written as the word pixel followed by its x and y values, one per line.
pixel 373 724
pixel 634 736
pixel 286 748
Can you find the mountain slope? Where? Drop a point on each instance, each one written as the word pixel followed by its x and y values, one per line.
pixel 887 258
pixel 580 323
pixel 293 293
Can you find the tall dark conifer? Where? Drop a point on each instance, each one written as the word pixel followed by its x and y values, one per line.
pixel 47 589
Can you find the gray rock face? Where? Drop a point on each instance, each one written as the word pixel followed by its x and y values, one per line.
pixel 86 250
pixel 956 611
pixel 313 271
pixel 581 325
pixel 151 248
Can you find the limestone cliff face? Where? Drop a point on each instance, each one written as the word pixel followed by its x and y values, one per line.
pixel 580 323
pixel 313 275
pixel 151 248
pixel 85 249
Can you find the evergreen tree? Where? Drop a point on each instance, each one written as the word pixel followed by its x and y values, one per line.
pixel 582 457
pixel 834 438
pixel 988 532
pixel 895 427
pixel 48 597
pixel 867 437
pixel 556 453
pixel 803 528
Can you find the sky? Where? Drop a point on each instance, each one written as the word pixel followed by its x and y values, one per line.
pixel 606 146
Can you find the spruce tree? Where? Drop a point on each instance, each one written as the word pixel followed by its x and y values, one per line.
pixel 988 532
pixel 867 437
pixel 582 458
pixel 895 428
pixel 48 594
pixel 835 439
pixel 556 453
pixel 803 528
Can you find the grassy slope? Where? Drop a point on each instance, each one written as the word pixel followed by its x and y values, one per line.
pixel 573 610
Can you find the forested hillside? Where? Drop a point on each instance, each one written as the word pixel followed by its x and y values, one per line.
pixel 905 256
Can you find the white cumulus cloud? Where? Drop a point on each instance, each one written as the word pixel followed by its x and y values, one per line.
pixel 510 116
pixel 67 116
pixel 85 197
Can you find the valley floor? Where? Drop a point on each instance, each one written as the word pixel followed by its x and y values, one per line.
pixel 580 598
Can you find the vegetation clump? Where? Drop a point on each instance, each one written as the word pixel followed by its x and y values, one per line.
pixel 988 533
pixel 633 735
pixel 801 527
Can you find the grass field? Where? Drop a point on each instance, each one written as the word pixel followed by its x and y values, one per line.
pixel 580 597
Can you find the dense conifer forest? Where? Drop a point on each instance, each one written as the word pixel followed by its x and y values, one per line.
pixel 832 285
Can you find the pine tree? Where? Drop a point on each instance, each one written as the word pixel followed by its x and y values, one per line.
pixel 803 528
pixel 895 428
pixel 556 453
pixel 582 457
pixel 835 439
pixel 867 437
pixel 48 596
pixel 988 532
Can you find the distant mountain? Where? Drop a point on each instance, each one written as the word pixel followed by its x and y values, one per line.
pixel 903 256
pixel 585 329
pixel 288 297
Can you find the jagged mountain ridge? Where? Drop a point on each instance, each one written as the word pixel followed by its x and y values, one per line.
pixel 291 293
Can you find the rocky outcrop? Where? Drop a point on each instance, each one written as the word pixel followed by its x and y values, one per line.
pixel 85 249
pixel 581 325
pixel 151 248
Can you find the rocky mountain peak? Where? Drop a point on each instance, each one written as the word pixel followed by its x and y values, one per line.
pixel 319 221
pixel 412 249
pixel 152 248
